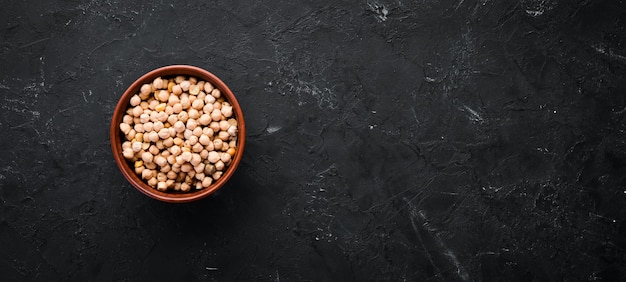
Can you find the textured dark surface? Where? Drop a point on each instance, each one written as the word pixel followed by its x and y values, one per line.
pixel 388 140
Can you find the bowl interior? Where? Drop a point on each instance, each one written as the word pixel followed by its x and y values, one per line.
pixel 116 136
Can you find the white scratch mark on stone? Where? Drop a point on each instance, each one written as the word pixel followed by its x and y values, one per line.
pixel 41 72
pixel 272 129
pixel 536 8
pixel 473 115
pixel 380 11
pixel 600 48
pixel 414 114
pixel 419 216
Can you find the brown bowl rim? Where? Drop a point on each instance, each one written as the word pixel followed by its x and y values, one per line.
pixel 116 143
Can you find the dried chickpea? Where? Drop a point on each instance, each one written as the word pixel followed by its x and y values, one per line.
pixel 216 175
pixel 197 148
pixel 216 93
pixel 213 157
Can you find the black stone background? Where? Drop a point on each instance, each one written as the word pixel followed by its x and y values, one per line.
pixel 388 140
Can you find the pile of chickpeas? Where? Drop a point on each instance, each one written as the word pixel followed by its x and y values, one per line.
pixel 180 133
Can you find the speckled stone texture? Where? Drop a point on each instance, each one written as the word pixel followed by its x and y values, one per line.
pixel 387 140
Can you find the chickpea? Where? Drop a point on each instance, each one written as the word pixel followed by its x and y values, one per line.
pixel 169 142
pixel 137 111
pixel 184 101
pixel 171 160
pixel 153 136
pixel 162 116
pixel 177 108
pixel 209 169
pixel 197 104
pixel 157 126
pixel 161 177
pixel 204 154
pixel 175 150
pixel 135 100
pixel 223 135
pixel 225 157
pixel 227 111
pixel 206 182
pixel 213 157
pixel 148 126
pixel 186 156
pixel 163 96
pixel 171 175
pixel 160 160
pixel 204 140
pixel 209 100
pixel 166 168
pixel 200 176
pixel 146 89
pixel 186 167
pixel 197 148
pixel 191 123
pixel 179 126
pixel 199 168
pixel 219 165
pixel 136 146
pixel 125 128
pixel 214 126
pixel 178 141
pixel 157 83
pixel 153 104
pixel 164 133
pixel 216 93
pixel 232 131
pixel 208 87
pixel 146 174
pixel 216 115
pixel 172 119
pixel 139 170
pixel 139 128
pixel 152 181
pixel 184 187
pixel 184 85
pixel 154 150
pixel 216 175
pixel 210 147
pixel 128 153
pixel 217 105
pixel 194 114
pixel 161 186
pixel 197 131
pixel 195 159
pixel 183 116
pixel 177 90
pixel 194 89
pixel 217 144
pixel 224 125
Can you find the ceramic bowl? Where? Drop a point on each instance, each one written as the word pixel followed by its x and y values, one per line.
pixel 117 136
